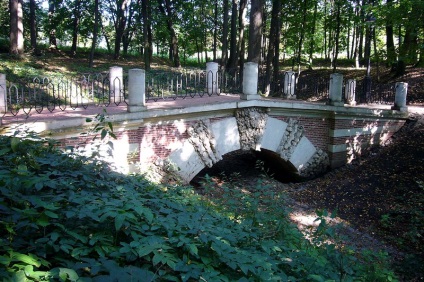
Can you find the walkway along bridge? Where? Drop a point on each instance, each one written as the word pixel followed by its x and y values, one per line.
pixel 180 137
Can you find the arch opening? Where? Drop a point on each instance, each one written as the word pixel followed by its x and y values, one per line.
pixel 249 166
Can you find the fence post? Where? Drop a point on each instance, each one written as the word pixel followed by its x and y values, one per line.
pixel 116 80
pixel 250 81
pixel 350 89
pixel 136 90
pixel 400 97
pixel 212 78
pixel 289 84
pixel 3 96
pixel 336 89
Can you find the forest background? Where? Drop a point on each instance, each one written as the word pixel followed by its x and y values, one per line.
pixel 229 31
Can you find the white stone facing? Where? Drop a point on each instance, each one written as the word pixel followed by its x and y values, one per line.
pixel 187 161
pixel 348 132
pixel 400 97
pixel 289 84
pixel 116 82
pixel 303 152
pixel 3 91
pixel 212 77
pixel 136 90
pixel 274 131
pixel 336 86
pixel 226 135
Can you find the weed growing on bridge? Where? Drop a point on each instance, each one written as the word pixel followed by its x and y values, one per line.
pixel 63 218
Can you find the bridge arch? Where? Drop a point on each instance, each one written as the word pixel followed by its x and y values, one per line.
pixel 251 129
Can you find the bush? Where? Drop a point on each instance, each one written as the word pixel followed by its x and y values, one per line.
pixel 71 218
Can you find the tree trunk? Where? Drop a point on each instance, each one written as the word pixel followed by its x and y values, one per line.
pixel 273 32
pixel 52 25
pixel 95 32
pixel 33 25
pixel 75 26
pixel 302 34
pixel 145 6
pixel 224 55
pixel 119 25
pixel 170 24
pixel 241 41
pixel 232 61
pixel 312 43
pixel 255 31
pixel 16 27
pixel 336 53
pixel 390 44
pixel 215 29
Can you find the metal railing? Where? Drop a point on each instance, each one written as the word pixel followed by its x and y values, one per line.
pixel 62 93
pixel 37 94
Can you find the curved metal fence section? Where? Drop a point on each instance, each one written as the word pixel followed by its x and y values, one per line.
pixel 39 94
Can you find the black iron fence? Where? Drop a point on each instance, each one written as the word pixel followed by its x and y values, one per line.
pixel 61 93
pixel 27 95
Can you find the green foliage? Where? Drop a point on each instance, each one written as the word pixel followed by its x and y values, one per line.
pixel 66 218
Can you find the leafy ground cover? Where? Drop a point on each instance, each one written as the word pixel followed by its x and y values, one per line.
pixel 378 200
pixel 381 194
pixel 70 218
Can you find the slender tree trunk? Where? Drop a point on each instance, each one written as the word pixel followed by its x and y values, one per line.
pixel 273 32
pixel 120 25
pixel 95 32
pixel 215 29
pixel 312 42
pixel 302 34
pixel 52 25
pixel 390 44
pixel 170 24
pixel 242 25
pixel 255 31
pixel 146 24
pixel 224 55
pixel 336 48
pixel 33 25
pixel 232 61
pixel 361 31
pixel 16 27
pixel 75 26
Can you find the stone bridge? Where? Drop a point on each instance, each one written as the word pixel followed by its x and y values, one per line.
pixel 178 138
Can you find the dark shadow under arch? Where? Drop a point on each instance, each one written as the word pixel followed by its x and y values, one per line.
pixel 250 164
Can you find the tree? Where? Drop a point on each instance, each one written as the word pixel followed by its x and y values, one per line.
pixel 255 31
pixel 224 52
pixel 33 25
pixel 75 26
pixel 95 32
pixel 232 61
pixel 168 12
pixel 147 33
pixel 273 46
pixel 16 27
pixel 52 24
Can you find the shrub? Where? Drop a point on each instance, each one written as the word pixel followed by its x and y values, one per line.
pixel 66 217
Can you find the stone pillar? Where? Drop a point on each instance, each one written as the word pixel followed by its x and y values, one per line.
pixel 136 90
pixel 250 81
pixel 350 88
pixel 336 89
pixel 116 79
pixel 3 93
pixel 400 97
pixel 289 84
pixel 212 78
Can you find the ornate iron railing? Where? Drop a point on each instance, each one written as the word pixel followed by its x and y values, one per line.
pixel 38 94
pixel 61 93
